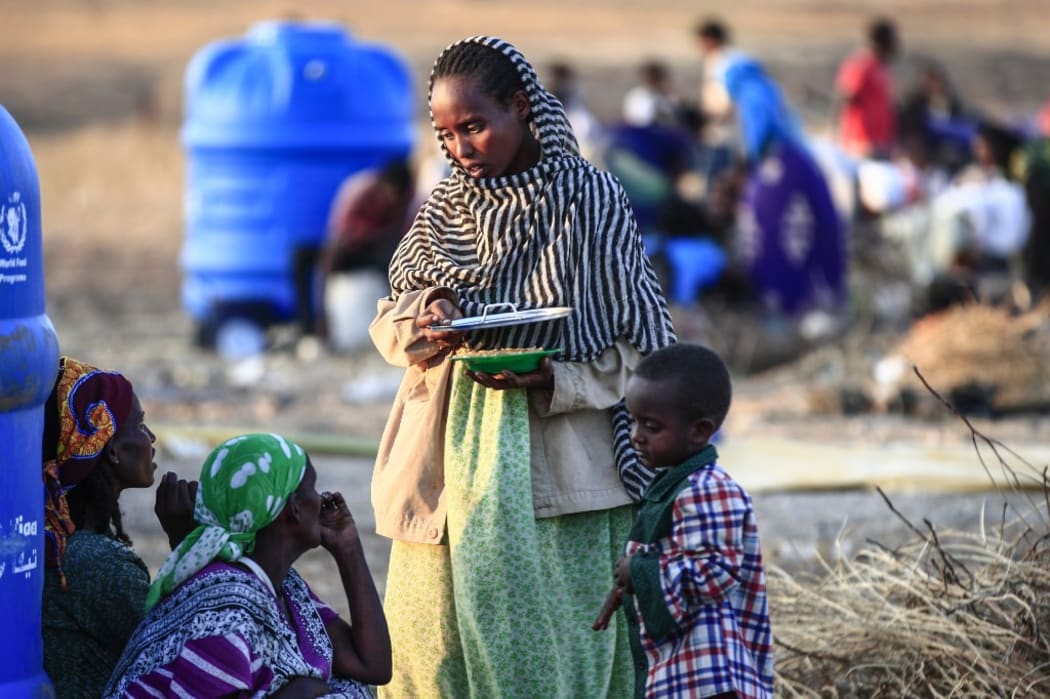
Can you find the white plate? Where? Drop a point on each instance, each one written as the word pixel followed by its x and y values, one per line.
pixel 499 320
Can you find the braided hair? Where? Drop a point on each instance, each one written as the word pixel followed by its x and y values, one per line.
pixel 93 504
pixel 496 74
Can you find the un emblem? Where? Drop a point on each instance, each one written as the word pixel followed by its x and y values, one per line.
pixel 13 226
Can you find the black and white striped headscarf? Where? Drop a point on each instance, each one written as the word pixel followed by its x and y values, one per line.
pixel 559 234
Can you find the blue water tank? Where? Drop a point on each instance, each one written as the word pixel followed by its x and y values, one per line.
pixel 28 366
pixel 275 120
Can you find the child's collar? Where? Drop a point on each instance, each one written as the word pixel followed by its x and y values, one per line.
pixel 666 480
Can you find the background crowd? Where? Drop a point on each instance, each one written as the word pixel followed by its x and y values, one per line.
pixel 741 199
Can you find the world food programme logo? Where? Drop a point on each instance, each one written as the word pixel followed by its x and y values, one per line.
pixel 13 226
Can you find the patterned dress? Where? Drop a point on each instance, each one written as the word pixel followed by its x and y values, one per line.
pixel 505 608
pixel 221 633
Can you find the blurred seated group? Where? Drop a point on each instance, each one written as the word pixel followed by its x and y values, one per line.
pixel 735 198
pixel 961 203
pixel 973 222
pixel 726 193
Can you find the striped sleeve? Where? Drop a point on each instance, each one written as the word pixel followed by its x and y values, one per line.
pixel 634 475
pixel 207 667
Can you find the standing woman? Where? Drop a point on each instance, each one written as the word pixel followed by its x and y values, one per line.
pixel 96 444
pixel 508 495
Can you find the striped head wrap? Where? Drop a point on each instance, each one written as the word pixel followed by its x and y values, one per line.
pixel 562 233
pixel 85 409
pixel 244 484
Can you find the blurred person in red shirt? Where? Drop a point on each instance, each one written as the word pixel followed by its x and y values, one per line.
pixel 867 119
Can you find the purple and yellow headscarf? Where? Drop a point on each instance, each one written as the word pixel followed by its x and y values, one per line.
pixel 84 411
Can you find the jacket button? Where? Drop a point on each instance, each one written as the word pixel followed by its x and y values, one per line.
pixel 433 533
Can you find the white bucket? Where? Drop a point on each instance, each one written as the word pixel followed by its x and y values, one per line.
pixel 350 305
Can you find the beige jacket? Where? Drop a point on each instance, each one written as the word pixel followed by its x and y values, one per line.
pixel 573 468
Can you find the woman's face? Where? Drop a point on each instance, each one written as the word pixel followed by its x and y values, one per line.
pixel 485 137
pixel 310 502
pixel 131 450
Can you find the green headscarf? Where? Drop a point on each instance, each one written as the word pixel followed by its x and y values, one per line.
pixel 244 484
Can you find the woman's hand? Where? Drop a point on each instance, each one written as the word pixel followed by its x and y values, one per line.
pixel 362 651
pixel 543 377
pixel 174 505
pixel 441 311
pixel 622 575
pixel 338 529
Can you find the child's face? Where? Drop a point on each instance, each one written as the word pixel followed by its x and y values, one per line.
pixel 484 136
pixel 662 435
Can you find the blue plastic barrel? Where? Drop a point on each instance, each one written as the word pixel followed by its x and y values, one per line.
pixel 274 121
pixel 28 367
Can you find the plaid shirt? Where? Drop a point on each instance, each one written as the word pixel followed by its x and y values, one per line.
pixel 700 593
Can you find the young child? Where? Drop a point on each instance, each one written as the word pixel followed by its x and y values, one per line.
pixel 692 582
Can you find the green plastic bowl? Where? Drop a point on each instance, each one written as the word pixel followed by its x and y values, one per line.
pixel 516 360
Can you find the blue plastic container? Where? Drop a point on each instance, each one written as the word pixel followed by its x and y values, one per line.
pixel 695 264
pixel 275 120
pixel 692 265
pixel 28 367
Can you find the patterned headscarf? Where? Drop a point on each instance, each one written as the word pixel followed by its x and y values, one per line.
pixel 244 484
pixel 561 233
pixel 83 412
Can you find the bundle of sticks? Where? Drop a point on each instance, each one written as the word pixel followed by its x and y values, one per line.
pixel 985 345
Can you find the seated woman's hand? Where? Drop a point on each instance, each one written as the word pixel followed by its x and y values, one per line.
pixel 338 529
pixel 543 377
pixel 174 505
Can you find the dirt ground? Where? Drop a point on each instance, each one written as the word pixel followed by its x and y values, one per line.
pixel 96 85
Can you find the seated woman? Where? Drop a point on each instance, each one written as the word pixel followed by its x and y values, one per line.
pixel 228 615
pixel 95 445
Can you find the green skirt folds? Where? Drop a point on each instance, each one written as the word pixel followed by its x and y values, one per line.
pixel 504 608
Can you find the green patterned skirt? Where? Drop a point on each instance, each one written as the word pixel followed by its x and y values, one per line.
pixel 504 607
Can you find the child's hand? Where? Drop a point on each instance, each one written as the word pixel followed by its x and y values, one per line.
pixel 622 575
pixel 612 602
